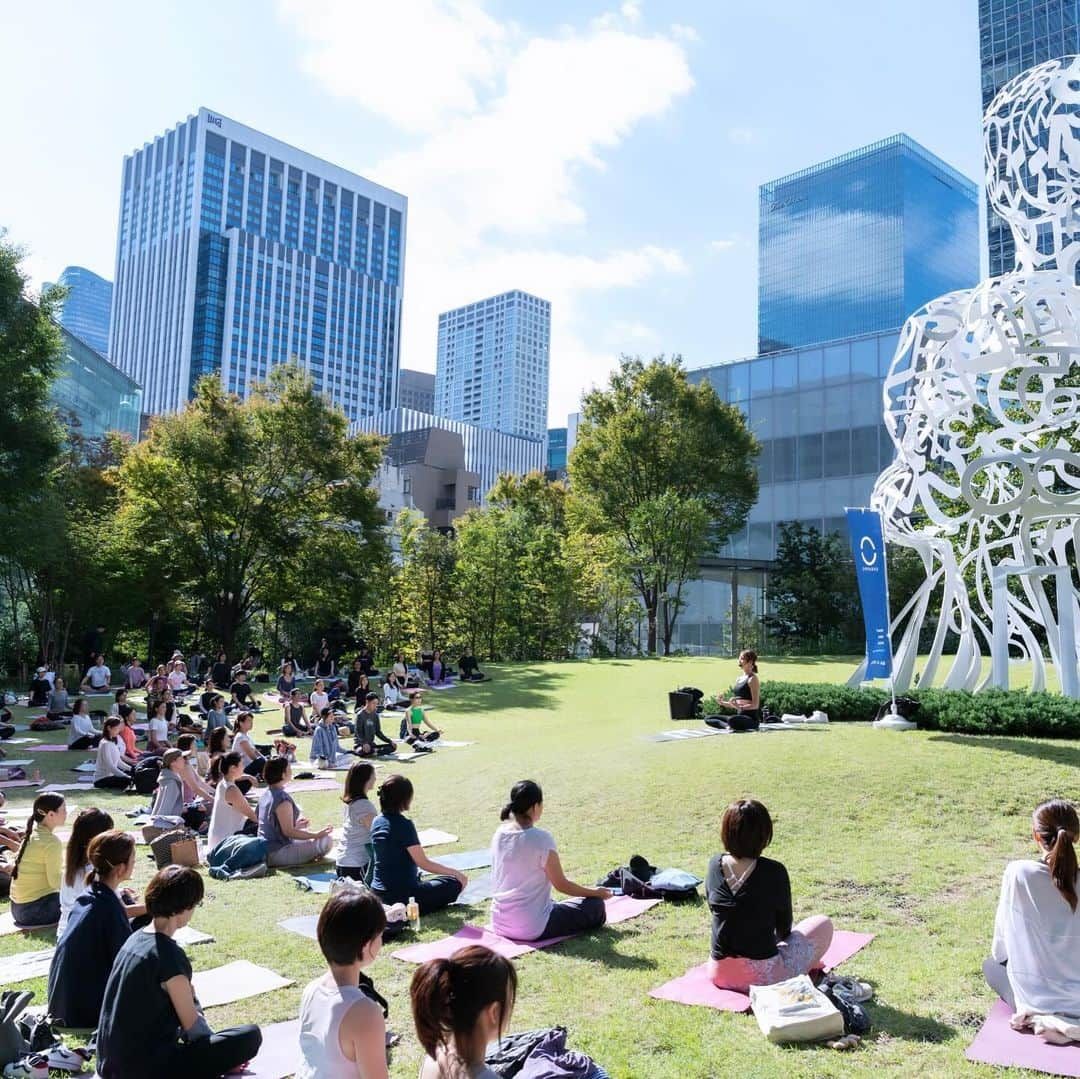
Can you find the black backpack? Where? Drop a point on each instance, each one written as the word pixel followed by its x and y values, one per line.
pixel 640 880
pixel 145 775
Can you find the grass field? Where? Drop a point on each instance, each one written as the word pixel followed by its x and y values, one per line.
pixel 904 835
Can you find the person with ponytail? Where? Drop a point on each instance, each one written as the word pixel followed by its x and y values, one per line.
pixel 112 772
pixel 1035 958
pixel 96 931
pixel 459 1006
pixel 88 823
pixel 36 874
pixel 525 866
pixel 399 856
pixel 745 700
pixel 342 1016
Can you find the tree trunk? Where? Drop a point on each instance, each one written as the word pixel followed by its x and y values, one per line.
pixel 651 644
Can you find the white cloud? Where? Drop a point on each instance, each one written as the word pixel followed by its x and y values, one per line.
pixel 493 186
pixel 631 11
pixel 741 136
pixel 722 245
pixel 681 32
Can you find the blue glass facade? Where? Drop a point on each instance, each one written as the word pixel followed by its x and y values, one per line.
pixel 855 244
pixel 87 308
pixel 1013 36
pixel 556 448
pixel 91 396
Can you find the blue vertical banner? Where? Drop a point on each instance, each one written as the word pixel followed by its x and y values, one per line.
pixel 868 547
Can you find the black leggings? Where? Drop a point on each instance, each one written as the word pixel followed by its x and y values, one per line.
pixel 112 783
pixel 739 721
pixel 87 741
pixel 210 1058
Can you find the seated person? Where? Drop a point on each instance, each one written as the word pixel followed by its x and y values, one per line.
pixel 157 735
pixel 325 747
pixel 318 698
pixel 254 761
pixel 58 705
pixel 169 796
pixel 131 753
pixel 40 688
pixel 286 682
pixel 97 678
pixel 353 679
pixel 178 679
pixel 745 700
pixel 355 858
pixel 88 823
pixel 393 693
pixel 119 698
pixel 459 1006
pixel 360 690
pixel 525 865
pixel 112 772
pixel 399 857
pixel 753 941
pixel 342 1025
pixel 151 980
pixel 157 684
pixel 232 811
pixel 215 714
pixel 36 874
pixel 241 692
pixel 288 840
pixel 221 671
pixel 324 665
pixel 439 675
pixel 415 718
pixel 82 734
pixel 370 740
pixel 96 931
pixel 136 674
pixel 1035 959
pixel 468 668
pixel 367 662
pixel 294 722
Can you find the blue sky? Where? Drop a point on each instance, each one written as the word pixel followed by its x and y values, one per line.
pixel 604 155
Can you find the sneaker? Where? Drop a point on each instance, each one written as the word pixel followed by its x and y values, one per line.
pixel 73 1061
pixel 38 1032
pixel 852 988
pixel 34 1066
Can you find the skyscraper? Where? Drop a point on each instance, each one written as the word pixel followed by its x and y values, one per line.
pixel 855 244
pixel 492 364
pixel 86 310
pixel 237 252
pixel 416 390
pixel 1013 36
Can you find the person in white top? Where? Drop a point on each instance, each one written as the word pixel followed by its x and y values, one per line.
pixel 88 823
pixel 111 772
pixel 459 1006
pixel 392 694
pixel 1035 958
pixel 97 678
pixel 178 679
pixel 342 1027
pixel 231 809
pixel 157 735
pixel 82 734
pixel 319 698
pixel 524 867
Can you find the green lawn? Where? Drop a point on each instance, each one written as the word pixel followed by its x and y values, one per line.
pixel 904 835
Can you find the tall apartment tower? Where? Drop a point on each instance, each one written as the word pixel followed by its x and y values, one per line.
pixel 492 365
pixel 416 390
pixel 1013 36
pixel 86 309
pixel 856 244
pixel 237 252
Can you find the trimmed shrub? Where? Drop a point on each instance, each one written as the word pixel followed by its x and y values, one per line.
pixel 994 711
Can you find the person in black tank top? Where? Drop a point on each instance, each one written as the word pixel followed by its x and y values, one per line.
pixel 745 699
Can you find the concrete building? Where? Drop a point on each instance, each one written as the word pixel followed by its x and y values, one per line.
pixel 91 395
pixel 237 252
pixel 416 390
pixel 492 365
pixel 431 462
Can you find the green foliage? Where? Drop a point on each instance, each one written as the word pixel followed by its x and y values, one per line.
pixel 994 711
pixel 428 557
pixel 665 467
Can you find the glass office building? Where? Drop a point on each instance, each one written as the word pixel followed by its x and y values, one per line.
pixel 556 449
pixel 91 396
pixel 237 252
pixel 1013 36
pixel 87 307
pixel 855 244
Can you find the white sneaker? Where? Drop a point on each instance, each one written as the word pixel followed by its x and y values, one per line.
pixel 69 1060
pixel 34 1066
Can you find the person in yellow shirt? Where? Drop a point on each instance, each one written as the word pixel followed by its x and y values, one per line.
pixel 35 877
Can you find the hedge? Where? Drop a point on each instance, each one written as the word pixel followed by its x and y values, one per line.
pixel 994 711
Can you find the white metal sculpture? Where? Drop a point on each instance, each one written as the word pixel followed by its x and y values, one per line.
pixel 982 402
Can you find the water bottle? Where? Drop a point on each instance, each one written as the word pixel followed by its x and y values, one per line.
pixel 412 912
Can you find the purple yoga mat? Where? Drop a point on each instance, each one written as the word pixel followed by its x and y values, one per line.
pixel 50 747
pixel 694 987
pixel 619 909
pixel 279 1054
pixel 997 1043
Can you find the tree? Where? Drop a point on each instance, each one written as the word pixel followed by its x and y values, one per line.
pixel 814 599
pixel 668 469
pixel 264 503
pixel 428 564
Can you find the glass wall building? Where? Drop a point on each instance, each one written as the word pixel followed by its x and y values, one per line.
pixel 86 310
pixel 556 449
pixel 92 396
pixel 492 364
pixel 855 244
pixel 1013 36
pixel 237 252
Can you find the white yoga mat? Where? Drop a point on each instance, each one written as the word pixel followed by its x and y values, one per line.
pixel 86 766
pixel 58 787
pixel 436 837
pixel 8 926
pixel 16 764
pixel 235 981
pixel 186 937
pixel 303 925
pixel 442 743
pixel 467 859
pixel 24 966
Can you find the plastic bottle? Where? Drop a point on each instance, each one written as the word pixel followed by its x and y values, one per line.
pixel 412 912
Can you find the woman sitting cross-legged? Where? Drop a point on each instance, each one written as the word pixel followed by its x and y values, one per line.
pixel 88 823
pixel 169 797
pixel 215 714
pixel 112 772
pixel 745 700
pixel 460 1005
pixel 414 720
pixel 342 1025
pixel 95 933
pixel 288 840
pixel 59 703
pixel 294 722
pixel 36 874
pixel 399 857
pixel 82 734
pixel 1035 960
pixel 355 858
pixel 525 866
pixel 157 735
pixel 254 761
pixel 131 752
pixel 753 941
pixel 325 746
pixel 232 812
pixel 151 1025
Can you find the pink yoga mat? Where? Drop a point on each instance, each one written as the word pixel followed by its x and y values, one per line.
pixel 299 786
pixel 279 1054
pixel 50 747
pixel 997 1043
pixel 619 909
pixel 694 987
